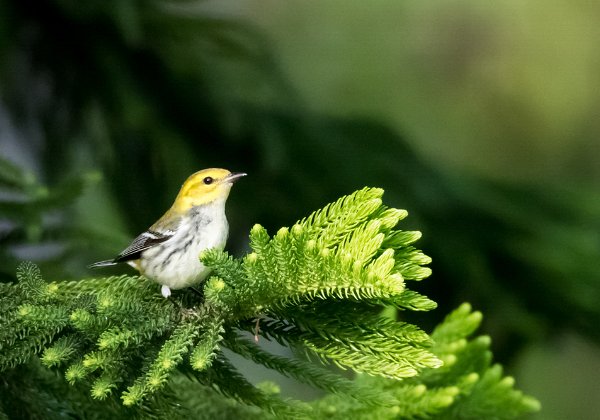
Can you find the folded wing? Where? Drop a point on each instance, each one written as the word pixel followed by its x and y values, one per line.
pixel 143 242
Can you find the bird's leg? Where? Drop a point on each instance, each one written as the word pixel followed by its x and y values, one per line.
pixel 256 329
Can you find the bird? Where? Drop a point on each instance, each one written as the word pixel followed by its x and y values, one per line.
pixel 168 252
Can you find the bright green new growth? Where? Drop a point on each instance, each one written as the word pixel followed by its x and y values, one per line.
pixel 466 386
pixel 317 287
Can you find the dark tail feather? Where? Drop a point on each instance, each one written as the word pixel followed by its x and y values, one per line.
pixel 99 264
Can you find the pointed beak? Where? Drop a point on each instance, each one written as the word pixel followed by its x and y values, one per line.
pixel 234 176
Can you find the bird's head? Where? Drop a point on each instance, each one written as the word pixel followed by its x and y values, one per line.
pixel 204 187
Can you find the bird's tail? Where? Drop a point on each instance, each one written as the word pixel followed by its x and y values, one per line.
pixel 104 263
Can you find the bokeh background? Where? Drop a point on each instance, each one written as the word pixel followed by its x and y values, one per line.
pixel 479 118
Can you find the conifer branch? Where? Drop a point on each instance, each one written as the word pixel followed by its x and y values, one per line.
pixel 307 372
pixel 224 377
pixel 318 287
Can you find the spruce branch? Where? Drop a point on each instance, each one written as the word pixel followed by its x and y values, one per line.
pixel 61 351
pixel 409 299
pixel 169 356
pixel 224 377
pixel 467 386
pixel 306 372
pixel 206 349
pixel 318 287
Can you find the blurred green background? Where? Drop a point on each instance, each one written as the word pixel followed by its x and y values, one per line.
pixel 480 118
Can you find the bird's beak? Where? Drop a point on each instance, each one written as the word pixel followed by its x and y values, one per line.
pixel 234 176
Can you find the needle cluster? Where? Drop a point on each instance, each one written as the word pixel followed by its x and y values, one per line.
pixel 318 288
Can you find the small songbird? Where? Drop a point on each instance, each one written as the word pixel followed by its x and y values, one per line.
pixel 168 252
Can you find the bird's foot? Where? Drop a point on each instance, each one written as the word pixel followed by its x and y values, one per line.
pixel 165 291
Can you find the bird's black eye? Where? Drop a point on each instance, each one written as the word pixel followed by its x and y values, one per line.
pixel 208 180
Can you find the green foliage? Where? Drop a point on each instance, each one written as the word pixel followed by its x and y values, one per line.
pixel 467 386
pixel 29 210
pixel 148 92
pixel 317 287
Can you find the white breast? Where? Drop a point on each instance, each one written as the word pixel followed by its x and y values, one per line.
pixel 175 263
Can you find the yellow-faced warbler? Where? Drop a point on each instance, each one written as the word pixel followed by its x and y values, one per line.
pixel 168 252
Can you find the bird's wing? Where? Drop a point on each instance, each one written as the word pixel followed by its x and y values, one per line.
pixel 152 237
pixel 144 241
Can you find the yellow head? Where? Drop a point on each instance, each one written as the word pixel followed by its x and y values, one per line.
pixel 204 187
